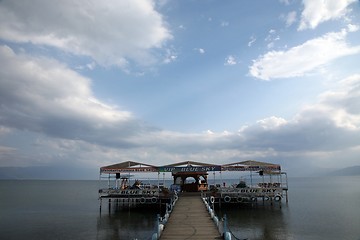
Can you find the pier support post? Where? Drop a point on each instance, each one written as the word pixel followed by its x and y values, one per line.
pixel 158 225
pixel 100 200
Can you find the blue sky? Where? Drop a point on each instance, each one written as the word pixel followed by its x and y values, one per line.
pixel 91 83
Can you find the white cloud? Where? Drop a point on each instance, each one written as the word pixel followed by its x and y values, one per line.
pixel 272 31
pixel 303 58
pixel 344 102
pixel 108 32
pixel 88 66
pixel 331 124
pixel 270 45
pixel 230 60
pixel 252 40
pixel 42 95
pixel 91 65
pixel 5 150
pixel 318 11
pixel 200 50
pixel 170 56
pixel 353 27
pixel 271 122
pixel 328 128
pixel 224 24
pixel 290 18
pixel 271 38
pixel 4 130
pixel 55 106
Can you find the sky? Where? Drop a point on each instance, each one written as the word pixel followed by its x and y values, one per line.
pixel 84 84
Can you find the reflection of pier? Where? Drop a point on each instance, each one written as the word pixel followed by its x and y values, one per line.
pixel 119 224
pixel 261 223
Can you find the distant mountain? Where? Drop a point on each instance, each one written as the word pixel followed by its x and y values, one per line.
pixel 48 173
pixel 349 171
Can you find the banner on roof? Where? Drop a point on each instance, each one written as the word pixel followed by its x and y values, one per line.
pixel 138 169
pixel 190 169
pixel 252 168
pixel 210 168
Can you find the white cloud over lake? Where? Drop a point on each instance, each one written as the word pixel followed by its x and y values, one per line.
pixel 57 106
pixel 92 83
pixel 111 33
pixel 302 59
pixel 318 11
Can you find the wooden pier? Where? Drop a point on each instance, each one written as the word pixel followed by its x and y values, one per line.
pixel 190 220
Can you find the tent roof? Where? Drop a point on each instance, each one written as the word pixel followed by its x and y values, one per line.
pixel 189 163
pixel 130 166
pixel 250 163
pixel 127 164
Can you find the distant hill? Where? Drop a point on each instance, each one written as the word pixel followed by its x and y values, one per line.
pixel 48 173
pixel 349 171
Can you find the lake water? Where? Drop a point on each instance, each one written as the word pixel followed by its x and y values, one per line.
pixel 319 208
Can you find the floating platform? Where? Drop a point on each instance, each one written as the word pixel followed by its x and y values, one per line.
pixel 266 183
pixel 135 197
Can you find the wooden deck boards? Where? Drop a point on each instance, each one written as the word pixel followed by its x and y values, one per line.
pixel 190 220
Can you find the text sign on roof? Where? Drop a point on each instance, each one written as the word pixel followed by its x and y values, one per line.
pixel 190 169
pixel 139 169
pixel 251 168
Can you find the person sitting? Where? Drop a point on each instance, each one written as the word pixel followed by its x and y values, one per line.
pixel 136 185
pixel 242 184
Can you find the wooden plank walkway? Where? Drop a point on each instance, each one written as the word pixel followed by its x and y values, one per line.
pixel 190 220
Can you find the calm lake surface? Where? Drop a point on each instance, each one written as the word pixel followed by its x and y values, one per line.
pixel 319 208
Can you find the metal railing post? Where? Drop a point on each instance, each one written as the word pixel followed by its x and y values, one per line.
pixel 227 234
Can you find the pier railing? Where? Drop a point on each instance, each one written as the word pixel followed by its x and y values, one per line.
pixel 221 224
pixel 161 221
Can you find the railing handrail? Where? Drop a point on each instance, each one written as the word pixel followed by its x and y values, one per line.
pixel 220 224
pixel 161 221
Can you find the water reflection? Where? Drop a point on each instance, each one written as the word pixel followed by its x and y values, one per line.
pixel 257 223
pixel 117 223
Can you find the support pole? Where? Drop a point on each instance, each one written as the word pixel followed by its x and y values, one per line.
pixel 158 180
pixel 158 225
pixel 100 200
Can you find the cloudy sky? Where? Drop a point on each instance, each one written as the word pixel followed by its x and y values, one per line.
pixel 92 83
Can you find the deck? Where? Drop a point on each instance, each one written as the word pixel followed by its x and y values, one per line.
pixel 190 220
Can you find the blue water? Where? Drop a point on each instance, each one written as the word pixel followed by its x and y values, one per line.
pixel 319 208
